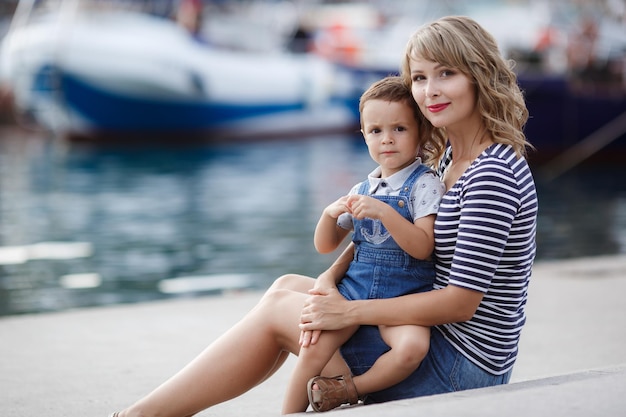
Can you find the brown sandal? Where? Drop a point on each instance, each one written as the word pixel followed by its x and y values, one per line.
pixel 332 392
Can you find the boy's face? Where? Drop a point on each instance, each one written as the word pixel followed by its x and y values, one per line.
pixel 391 134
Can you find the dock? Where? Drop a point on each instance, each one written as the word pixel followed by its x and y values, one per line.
pixel 93 361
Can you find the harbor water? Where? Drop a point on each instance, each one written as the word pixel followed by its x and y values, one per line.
pixel 89 225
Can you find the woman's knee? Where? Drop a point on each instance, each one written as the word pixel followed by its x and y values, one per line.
pixel 280 303
pixel 273 297
pixel 284 282
pixel 293 282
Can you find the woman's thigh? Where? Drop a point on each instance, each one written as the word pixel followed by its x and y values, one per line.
pixel 280 308
pixel 443 369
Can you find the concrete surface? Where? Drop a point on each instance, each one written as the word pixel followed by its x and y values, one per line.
pixel 91 362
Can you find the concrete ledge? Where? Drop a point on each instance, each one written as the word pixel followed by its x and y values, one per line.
pixel 91 362
pixel 591 393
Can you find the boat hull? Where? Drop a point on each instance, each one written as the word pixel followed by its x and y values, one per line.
pixel 91 82
pixel 563 115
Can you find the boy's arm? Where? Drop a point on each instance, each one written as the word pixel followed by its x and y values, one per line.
pixel 328 234
pixel 417 239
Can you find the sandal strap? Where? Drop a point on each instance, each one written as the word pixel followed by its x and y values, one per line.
pixel 332 392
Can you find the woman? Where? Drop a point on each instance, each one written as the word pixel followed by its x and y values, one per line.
pixel 484 249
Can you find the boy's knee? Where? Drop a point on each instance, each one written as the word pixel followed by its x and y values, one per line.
pixel 411 352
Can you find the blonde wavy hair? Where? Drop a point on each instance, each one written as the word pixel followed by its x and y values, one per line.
pixel 394 89
pixel 461 43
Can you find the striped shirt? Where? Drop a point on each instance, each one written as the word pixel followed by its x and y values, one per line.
pixel 485 241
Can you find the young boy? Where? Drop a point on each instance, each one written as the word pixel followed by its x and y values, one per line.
pixel 392 216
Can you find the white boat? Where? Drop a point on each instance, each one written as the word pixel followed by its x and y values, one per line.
pixel 89 71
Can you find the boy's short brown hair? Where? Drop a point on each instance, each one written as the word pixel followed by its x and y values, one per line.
pixel 391 89
pixel 394 89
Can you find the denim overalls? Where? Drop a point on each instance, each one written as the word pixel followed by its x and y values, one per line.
pixel 385 270
pixel 380 268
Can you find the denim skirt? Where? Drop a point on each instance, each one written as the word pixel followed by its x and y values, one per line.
pixel 444 369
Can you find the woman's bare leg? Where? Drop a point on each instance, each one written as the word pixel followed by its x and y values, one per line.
pixel 297 283
pixel 336 365
pixel 229 366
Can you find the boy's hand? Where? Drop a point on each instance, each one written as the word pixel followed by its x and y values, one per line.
pixel 337 208
pixel 362 206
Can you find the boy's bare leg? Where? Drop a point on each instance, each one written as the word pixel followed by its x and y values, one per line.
pixel 241 358
pixel 409 345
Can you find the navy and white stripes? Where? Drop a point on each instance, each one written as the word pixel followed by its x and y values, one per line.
pixel 485 241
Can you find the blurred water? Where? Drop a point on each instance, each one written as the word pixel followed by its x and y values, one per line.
pixel 84 225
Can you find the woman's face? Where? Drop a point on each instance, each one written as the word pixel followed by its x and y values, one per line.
pixel 445 95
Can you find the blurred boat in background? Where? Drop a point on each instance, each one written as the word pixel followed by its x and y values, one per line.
pixel 570 58
pixel 295 67
pixel 84 69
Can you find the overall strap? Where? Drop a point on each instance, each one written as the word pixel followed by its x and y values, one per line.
pixel 408 185
pixel 364 188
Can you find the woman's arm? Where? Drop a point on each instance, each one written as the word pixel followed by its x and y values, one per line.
pixel 451 304
pixel 328 310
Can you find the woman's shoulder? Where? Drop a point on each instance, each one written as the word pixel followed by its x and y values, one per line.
pixel 500 151
pixel 500 167
pixel 501 156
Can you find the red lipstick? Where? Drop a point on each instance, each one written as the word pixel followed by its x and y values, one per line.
pixel 435 108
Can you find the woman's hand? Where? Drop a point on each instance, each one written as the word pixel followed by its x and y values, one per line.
pixel 325 309
pixel 310 337
pixel 325 287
